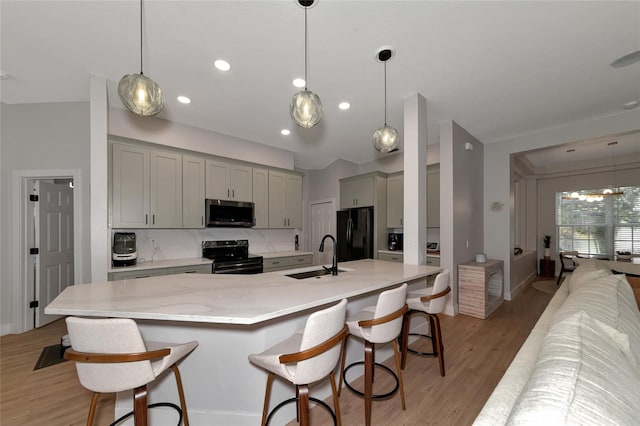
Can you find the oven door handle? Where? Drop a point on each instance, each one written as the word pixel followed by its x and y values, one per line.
pixel 239 265
pixel 240 269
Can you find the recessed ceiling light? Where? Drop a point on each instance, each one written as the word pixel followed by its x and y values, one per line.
pixel 3 75
pixel 222 65
pixel 626 60
pixel 344 105
pixel 631 105
pixel 184 100
pixel 299 82
pixel 285 132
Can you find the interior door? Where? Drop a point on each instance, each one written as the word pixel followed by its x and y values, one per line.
pixel 54 238
pixel 322 223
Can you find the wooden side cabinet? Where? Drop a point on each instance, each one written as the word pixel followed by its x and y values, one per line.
pixel 480 287
pixel 547 268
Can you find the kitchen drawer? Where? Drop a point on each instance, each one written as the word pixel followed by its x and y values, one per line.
pixel 287 262
pixel 195 269
pixel 392 257
pixel 433 261
pixel 129 275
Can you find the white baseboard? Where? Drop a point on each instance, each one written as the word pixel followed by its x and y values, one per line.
pixel 7 329
pixel 523 284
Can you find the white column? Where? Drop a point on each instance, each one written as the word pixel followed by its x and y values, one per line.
pixel 415 184
pixel 98 153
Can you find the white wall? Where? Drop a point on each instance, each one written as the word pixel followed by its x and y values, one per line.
pixel 461 201
pixel 52 136
pixel 497 225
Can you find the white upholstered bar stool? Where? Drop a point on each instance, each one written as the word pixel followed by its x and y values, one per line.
pixel 377 325
pixel 111 356
pixel 428 302
pixel 306 357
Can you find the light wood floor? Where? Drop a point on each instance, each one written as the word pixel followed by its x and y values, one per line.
pixel 477 352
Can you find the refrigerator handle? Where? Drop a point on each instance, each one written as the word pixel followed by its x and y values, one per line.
pixel 349 230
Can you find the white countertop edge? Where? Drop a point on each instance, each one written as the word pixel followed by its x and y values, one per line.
pixel 288 253
pixel 166 263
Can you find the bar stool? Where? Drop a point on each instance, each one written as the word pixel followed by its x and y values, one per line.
pixel 378 324
pixel 428 302
pixel 111 356
pixel 304 358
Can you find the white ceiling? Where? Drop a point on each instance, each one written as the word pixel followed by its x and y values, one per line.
pixel 499 69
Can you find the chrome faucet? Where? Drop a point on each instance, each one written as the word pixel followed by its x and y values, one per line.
pixel 334 265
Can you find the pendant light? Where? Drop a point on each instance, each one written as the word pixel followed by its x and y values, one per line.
pixel 139 93
pixel 386 138
pixel 305 107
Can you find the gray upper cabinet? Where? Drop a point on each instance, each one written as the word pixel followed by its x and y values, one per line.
pixel 228 181
pixel 146 188
pixel 261 197
pixel 285 200
pixel 130 187
pixel 193 193
pixel 395 200
pixel 357 192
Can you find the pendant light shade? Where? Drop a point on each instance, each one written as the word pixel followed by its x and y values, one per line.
pixel 386 138
pixel 139 93
pixel 305 107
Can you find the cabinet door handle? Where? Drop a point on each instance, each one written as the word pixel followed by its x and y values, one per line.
pixel 275 263
pixel 233 193
pixel 153 219
pixel 146 219
pixel 202 220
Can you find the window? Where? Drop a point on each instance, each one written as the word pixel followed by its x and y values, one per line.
pixel 599 225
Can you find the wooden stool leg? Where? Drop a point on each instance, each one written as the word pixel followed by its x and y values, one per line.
pixel 344 356
pixel 368 381
pixel 140 406
pixel 396 355
pixel 267 395
pixel 183 402
pixel 406 323
pixel 303 404
pixel 336 401
pixel 437 333
pixel 92 409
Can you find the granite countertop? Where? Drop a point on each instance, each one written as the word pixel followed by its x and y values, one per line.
pixel 168 263
pixel 288 253
pixel 230 299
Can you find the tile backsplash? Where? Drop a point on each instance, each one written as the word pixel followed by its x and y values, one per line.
pixel 187 243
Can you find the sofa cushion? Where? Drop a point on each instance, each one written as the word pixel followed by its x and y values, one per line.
pixel 581 377
pixel 608 299
pixel 584 274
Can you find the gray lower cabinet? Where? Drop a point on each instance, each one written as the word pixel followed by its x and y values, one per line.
pixel 433 261
pixel 145 273
pixel 287 262
pixel 392 257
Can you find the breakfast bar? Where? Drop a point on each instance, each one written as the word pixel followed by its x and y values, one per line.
pixel 231 316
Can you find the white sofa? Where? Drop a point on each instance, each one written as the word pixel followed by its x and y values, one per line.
pixel 581 363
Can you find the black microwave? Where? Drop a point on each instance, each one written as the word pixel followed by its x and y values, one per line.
pixel 230 213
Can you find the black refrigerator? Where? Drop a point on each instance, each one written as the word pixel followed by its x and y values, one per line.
pixel 355 234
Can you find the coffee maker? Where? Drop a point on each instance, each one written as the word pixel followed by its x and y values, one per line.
pixel 124 251
pixel 395 241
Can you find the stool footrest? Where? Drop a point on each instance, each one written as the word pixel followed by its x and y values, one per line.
pixel 374 397
pixel 290 400
pixel 413 351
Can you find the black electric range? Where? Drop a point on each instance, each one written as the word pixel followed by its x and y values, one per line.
pixel 231 257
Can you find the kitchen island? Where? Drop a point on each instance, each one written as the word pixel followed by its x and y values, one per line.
pixel 231 316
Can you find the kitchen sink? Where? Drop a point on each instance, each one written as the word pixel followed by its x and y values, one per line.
pixel 310 274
